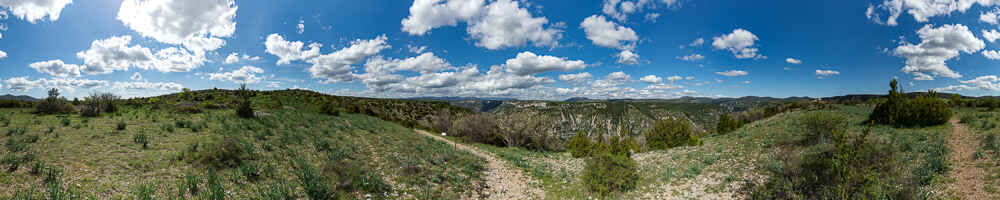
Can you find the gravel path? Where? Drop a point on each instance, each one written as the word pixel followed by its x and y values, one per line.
pixel 969 177
pixel 503 182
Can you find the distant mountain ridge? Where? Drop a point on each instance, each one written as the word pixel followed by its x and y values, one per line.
pixel 19 97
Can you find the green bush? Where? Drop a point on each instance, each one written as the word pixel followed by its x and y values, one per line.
pixel 243 108
pixel 479 128
pixel 141 139
pixel 607 173
pixel 581 145
pixel 120 125
pixel 316 186
pixel 226 152
pixel 329 108
pixel 822 125
pixel 251 171
pixel 851 167
pixel 65 122
pixel 967 119
pixel 671 133
pixel 727 124
pixel 925 110
pixel 53 104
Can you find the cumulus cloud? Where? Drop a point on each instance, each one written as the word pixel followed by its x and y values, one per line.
pixel 288 51
pixel 235 58
pixel 22 84
pixel 628 58
pixel 527 63
pixel 424 63
pixel 820 72
pixel 576 79
pixel 56 68
pixel 740 42
pixel 921 10
pixel 692 57
pixel 178 21
pixel 621 9
pixel 793 61
pixel 992 54
pixel 651 79
pixel 142 85
pixel 416 49
pixel 732 73
pixel 35 10
pixel 991 35
pixel 338 66
pixel 501 24
pixel 3 54
pixel 246 74
pixel 301 27
pixel 989 83
pixel 697 42
pixel 938 45
pixel 990 17
pixel 613 79
pixel 111 54
pixel 609 34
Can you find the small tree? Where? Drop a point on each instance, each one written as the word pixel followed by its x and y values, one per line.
pixel 580 145
pixel 670 133
pixel 52 104
pixel 727 124
pixel 243 108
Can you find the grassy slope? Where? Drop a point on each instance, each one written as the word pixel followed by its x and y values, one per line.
pixel 717 168
pixel 98 161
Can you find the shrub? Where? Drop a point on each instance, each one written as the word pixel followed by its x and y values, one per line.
pixel 243 108
pixel 53 104
pixel 671 133
pixel 316 186
pixel 580 145
pixel 329 108
pixel 250 170
pixel 120 125
pixel 727 124
pixel 822 125
pixel 226 152
pixel 167 127
pixel 606 173
pixel 852 167
pixel 65 122
pixel 12 161
pixel 967 119
pixel 142 139
pixel 925 110
pixel 479 128
pixel 529 131
pixel 36 167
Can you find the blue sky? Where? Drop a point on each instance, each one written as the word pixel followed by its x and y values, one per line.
pixel 526 49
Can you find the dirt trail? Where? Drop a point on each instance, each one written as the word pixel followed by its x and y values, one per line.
pixel 969 177
pixel 503 182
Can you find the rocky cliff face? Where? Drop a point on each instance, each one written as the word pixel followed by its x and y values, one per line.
pixel 566 118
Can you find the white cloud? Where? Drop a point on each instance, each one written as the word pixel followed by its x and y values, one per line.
pixel 246 74
pixel 692 57
pixel 732 73
pixel 22 84
pixel 506 24
pixel 527 63
pixel 621 9
pixel 136 77
pixel 56 68
pixel 746 82
pixel 826 72
pixel 301 27
pixel 175 59
pixel 235 58
pixel 288 51
pixel 921 10
pixel 992 54
pixel 990 83
pixel 740 42
pixel 652 17
pixel 612 80
pixel 3 54
pixel 991 35
pixel 35 10
pixel 652 79
pixel 697 42
pixel 937 46
pixel 338 66
pixel 609 34
pixel 203 44
pixel 578 78
pixel 424 63
pixel 176 21
pixel 429 14
pixel 677 78
pixel 502 23
pixel 416 49
pixel 793 61
pixel 689 78
pixel 990 17
pixel 114 54
pixel 628 58
pixel 166 86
